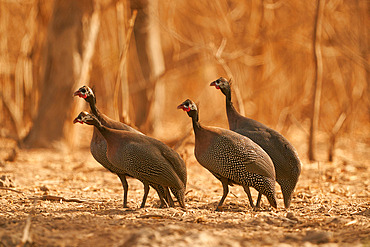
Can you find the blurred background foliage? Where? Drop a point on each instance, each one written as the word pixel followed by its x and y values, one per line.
pixel 145 57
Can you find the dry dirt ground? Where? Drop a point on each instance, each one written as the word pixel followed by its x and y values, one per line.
pixel 330 206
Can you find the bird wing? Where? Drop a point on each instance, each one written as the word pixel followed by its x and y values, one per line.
pixel 239 150
pixel 177 163
pixel 282 153
pixel 142 160
pixel 110 123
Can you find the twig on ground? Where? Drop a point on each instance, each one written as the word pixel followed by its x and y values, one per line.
pixel 187 192
pixel 11 189
pixel 58 198
pixel 234 194
pixel 26 232
pixel 154 216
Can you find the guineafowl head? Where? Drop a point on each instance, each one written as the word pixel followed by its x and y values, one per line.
pixel 190 107
pixel 86 93
pixel 87 118
pixel 222 84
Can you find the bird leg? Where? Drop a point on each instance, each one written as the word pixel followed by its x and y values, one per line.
pixel 122 177
pixel 146 191
pixel 225 186
pixel 258 203
pixel 179 196
pixel 161 195
pixel 170 201
pixel 248 192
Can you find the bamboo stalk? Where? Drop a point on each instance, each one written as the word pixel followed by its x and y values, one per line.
pixel 18 88
pixel 13 111
pixel 125 95
pixel 4 57
pixel 318 79
pixel 28 44
pixel 84 75
pixel 85 66
pixel 154 69
pixel 121 78
pixel 221 61
pixel 333 135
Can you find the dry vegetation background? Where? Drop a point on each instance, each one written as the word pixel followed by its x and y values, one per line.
pixel 266 47
pixel 143 58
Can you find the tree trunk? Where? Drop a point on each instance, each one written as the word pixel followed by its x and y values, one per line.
pixel 318 79
pixel 364 10
pixel 124 37
pixel 64 42
pixel 149 51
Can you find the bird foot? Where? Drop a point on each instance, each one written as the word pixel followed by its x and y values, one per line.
pixel 162 205
pixel 256 209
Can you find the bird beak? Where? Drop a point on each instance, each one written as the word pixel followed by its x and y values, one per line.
pixel 184 108
pixel 214 84
pixel 79 94
pixel 76 120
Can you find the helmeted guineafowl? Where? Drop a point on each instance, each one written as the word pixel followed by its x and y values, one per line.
pixel 232 158
pixel 283 154
pixel 98 145
pixel 142 157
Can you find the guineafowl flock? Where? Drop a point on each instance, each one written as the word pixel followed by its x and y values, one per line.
pixel 249 154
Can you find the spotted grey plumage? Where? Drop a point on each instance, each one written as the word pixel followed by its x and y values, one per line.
pixel 232 158
pixel 98 147
pixel 283 154
pixel 141 157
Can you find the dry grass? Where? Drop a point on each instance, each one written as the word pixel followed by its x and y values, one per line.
pixel 264 46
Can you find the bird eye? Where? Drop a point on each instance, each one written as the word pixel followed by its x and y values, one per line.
pixel 83 90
